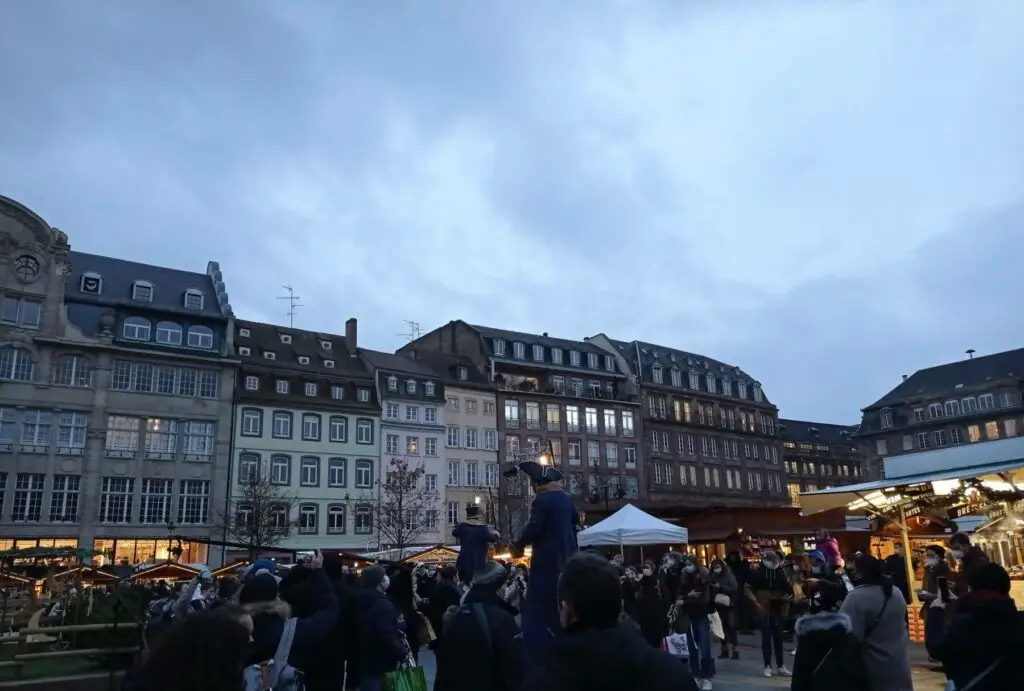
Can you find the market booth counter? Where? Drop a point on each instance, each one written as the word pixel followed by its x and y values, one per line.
pixel 945 482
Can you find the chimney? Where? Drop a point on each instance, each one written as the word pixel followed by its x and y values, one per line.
pixel 904 377
pixel 351 335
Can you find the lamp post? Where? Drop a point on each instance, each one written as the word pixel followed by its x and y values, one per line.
pixel 605 491
pixel 177 550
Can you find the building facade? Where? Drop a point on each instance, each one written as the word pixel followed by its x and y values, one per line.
pixel 116 380
pixel 555 396
pixel 307 421
pixel 965 402
pixel 412 429
pixel 709 431
pixel 471 439
pixel 818 455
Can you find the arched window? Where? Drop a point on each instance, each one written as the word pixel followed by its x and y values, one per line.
pixel 200 337
pixel 168 333
pixel 16 364
pixel 136 329
pixel 73 370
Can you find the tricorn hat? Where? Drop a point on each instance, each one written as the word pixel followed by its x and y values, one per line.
pixel 540 474
pixel 472 511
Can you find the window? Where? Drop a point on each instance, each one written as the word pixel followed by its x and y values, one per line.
pixel 490 439
pixel 412 446
pixel 71 431
pixel 16 364
pixel 627 423
pixel 244 333
pixel 338 429
pixel 391 411
pixel 886 418
pixel 336 519
pixel 954 435
pixel 19 312
pixel 337 392
pixel 471 438
pixel 135 329
pixel 430 482
pixel 391 443
pixel 92 283
pixel 499 347
pixel 364 474
pixel 908 442
pixel 252 422
pixel 26 268
pixel 116 500
pixel 200 337
pixel 538 353
pixel 694 380
pixel 310 389
pixel 307 519
pixel 556 356
pixel 462 373
pixel 922 440
pixel 281 386
pixel 35 430
pixel 410 386
pixel 430 446
pixel 940 437
pixel 712 384
pixel 430 414
pixel 248 467
pixel 199 440
pixel 490 475
pixel 952 408
pixel 122 439
pixel 309 471
pixel 193 299
pixel 973 433
pixel 991 430
pixel 590 416
pixel 609 363
pixel 143 377
pixel 364 431
pixel 511 413
pixel 656 374
pixel 412 413
pixel 969 405
pixel 1010 426
pixel 880 447
pixel 282 425
pixel 429 389
pixel 252 383
pixel 472 474
pixel 392 383
pixel 280 470
pixel 194 502
pixel 310 427
pixel 363 395
pixel 574 452
pixel 574 358
pixel 629 455
pixel 935 411
pixel 64 499
pixel 337 472
pixel 28 497
pixel 593 452
pixel 73 370
pixel 454 473
pixel 452 513
pixel 364 520
pixel 572 418
pixel 161 439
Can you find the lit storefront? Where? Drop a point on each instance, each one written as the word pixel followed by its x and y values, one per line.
pixel 8 544
pixel 131 551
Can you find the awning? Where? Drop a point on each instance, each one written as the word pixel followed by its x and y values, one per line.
pixel 870 495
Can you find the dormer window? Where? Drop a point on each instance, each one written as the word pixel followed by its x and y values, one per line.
pixel 656 374
pixel 92 283
pixel 428 389
pixel 712 384
pixel 592 360
pixel 200 337
pixel 556 356
pixel 886 418
pixel 325 345
pixel 499 347
pixel 194 299
pixel 677 377
pixel 410 386
pixel 538 353
pixel 726 387
pixel 136 329
pixel 518 350
pixel 142 291
pixel 609 363
pixel 329 364
pixel 758 394
pixel 243 333
pixel 694 381
pixel 310 389
pixel 462 373
pixel 392 383
pixel 286 338
pixel 244 350
pixel 574 358
pixel 741 389
pixel 269 355
pixel 303 360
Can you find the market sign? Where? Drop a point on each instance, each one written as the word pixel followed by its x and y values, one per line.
pixel 996 512
pixel 964 508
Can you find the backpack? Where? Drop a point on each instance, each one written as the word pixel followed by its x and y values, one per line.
pixel 276 674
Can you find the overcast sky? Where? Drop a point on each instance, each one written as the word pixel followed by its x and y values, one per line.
pixel 827 193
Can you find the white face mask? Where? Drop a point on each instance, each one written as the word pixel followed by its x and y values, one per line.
pixel 796 567
pixel 770 564
pixel 648 572
pixel 932 561
pixel 958 554
pixel 386 583
pixel 817 569
pixel 717 569
pixel 690 568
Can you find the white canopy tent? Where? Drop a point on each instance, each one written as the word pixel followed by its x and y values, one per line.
pixel 631 527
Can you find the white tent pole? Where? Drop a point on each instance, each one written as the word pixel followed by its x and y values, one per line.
pixel 622 552
pixel 641 554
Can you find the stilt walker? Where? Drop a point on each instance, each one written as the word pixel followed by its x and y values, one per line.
pixel 473 536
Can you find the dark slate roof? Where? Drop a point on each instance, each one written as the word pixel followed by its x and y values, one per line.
pixel 686 362
pixel 548 344
pixel 535 339
pixel 169 285
pixel 941 379
pixel 814 432
pixel 446 368
pixel 267 337
pixel 399 364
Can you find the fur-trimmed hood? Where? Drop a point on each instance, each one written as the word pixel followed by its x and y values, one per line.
pixel 277 607
pixel 823 623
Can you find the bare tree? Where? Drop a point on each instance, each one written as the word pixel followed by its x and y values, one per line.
pixel 259 516
pixel 405 507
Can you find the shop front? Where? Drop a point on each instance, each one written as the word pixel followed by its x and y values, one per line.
pixel 24 550
pixel 130 551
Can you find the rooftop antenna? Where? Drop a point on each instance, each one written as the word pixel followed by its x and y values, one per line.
pixel 293 304
pixel 414 331
pixel 970 353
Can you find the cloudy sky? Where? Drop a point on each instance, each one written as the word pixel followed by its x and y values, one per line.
pixel 827 193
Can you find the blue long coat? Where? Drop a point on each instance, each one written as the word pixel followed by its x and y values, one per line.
pixel 552 533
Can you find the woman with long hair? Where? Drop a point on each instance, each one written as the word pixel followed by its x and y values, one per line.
pixel 206 651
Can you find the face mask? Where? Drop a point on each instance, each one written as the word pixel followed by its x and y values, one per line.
pixel 932 561
pixel 796 567
pixel 717 569
pixel 386 583
pixel 648 572
pixel 958 554
pixel 817 569
pixel 431 572
pixel 690 568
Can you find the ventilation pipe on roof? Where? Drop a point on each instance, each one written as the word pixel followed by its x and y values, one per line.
pixel 904 377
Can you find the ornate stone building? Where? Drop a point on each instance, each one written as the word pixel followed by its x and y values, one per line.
pixel 116 387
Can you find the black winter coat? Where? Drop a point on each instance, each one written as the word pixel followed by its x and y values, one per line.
pixel 982 631
pixel 381 645
pixel 828 655
pixel 645 607
pixel 467 661
pixel 585 658
pixel 325 669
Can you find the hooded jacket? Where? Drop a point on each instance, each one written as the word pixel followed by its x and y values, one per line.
pixel 830 548
pixel 769 589
pixel 986 628
pixel 827 654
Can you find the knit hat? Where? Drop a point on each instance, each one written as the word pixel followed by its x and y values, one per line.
pixel 260 566
pixel 372 576
pixel 492 574
pixel 260 588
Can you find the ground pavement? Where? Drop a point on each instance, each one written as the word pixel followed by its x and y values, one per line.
pixel 746 674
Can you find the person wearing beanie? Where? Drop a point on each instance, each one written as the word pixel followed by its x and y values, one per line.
pixel 979 646
pixel 259 597
pixel 382 645
pixel 474 536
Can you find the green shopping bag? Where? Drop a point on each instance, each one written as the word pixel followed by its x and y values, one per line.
pixel 405 679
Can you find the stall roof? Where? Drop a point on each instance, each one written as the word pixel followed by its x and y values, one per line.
pixel 629 526
pixel 998 457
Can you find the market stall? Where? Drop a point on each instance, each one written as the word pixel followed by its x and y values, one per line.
pixel 169 571
pixel 631 527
